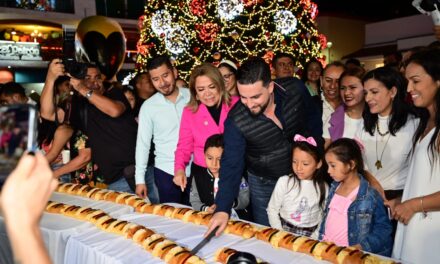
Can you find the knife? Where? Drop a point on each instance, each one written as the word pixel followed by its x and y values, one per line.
pixel 204 241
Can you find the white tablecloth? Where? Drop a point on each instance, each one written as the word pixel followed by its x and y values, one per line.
pixel 57 229
pixel 74 241
pixel 101 247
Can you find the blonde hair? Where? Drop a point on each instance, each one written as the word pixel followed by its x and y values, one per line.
pixel 208 70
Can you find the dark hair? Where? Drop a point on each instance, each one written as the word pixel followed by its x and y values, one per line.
pixel 429 60
pixel 347 150
pixel 253 70
pixel 12 88
pixel 304 73
pixel 214 141
pixel 357 72
pixel 353 61
pixel 281 55
pixel 60 80
pixel 158 61
pixel 320 174
pixel 136 78
pixel 400 110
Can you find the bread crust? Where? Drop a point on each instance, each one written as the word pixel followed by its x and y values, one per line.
pixel 222 255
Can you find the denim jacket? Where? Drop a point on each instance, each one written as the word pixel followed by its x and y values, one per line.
pixel 368 222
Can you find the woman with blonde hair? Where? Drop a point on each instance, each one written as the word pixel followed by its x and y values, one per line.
pixel 204 116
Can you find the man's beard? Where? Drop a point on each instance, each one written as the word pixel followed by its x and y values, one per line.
pixel 262 109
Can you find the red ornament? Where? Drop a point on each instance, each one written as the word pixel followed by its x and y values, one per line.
pixel 249 3
pixel 207 31
pixel 196 50
pixel 142 49
pixel 322 41
pixel 198 7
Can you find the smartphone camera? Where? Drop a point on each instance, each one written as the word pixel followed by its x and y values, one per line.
pixel 18 134
pixel 76 69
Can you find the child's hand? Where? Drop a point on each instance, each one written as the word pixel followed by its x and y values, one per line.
pixel 211 209
pixel 180 179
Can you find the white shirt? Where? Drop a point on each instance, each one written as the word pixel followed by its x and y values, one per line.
pixel 418 242
pixel 351 126
pixel 299 207
pixel 159 119
pixel 327 110
pixel 392 151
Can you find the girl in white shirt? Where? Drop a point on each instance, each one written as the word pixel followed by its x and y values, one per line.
pixel 298 199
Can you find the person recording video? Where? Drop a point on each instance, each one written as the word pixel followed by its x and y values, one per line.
pixel 104 115
pixel 33 182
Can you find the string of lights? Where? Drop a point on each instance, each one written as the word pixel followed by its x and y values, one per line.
pixel 195 31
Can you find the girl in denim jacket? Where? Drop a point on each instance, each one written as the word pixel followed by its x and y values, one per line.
pixel 354 214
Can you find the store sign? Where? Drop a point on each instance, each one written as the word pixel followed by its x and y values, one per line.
pixel 26 51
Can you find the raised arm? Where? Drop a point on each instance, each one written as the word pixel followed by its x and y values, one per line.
pixel 48 108
pixel 111 107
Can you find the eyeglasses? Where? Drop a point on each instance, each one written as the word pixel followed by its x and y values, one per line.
pixel 228 76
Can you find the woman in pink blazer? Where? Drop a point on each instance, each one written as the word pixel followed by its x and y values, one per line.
pixel 202 117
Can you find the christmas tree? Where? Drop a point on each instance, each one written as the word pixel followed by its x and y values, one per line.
pixel 197 31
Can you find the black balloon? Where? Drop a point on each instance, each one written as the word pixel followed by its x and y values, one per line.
pixel 100 40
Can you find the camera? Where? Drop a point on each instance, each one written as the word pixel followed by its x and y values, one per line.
pixel 19 134
pixel 76 69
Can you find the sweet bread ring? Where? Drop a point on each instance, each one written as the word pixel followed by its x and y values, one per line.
pixel 297 242
pixel 55 208
pixel 308 246
pixel 142 234
pixel 222 255
pixel 123 197
pixel 320 248
pixel 151 242
pixel 178 213
pixel 331 253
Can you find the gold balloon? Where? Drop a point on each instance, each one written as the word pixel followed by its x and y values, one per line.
pixel 101 40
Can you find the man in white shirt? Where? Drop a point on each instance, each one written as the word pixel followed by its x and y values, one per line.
pixel 331 97
pixel 159 118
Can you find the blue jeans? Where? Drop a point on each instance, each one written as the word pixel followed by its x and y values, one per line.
pixel 120 185
pixel 261 190
pixel 65 178
pixel 153 194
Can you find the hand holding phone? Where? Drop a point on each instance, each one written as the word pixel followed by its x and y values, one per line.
pixel 18 134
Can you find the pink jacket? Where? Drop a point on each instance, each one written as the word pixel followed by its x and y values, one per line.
pixel 195 128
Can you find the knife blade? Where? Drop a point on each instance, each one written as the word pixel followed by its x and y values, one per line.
pixel 204 241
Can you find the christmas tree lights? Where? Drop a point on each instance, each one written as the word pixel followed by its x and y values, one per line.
pixel 197 31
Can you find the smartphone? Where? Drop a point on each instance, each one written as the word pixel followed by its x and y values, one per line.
pixel 18 134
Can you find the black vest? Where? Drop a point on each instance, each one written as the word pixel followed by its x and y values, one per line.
pixel 269 148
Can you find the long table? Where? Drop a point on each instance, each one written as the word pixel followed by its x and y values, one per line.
pixel 73 241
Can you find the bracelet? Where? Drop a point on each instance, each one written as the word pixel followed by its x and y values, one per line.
pixel 88 94
pixel 424 213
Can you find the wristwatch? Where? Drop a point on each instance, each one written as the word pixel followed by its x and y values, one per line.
pixel 88 94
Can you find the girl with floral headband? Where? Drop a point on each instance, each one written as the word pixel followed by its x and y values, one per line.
pixel 298 199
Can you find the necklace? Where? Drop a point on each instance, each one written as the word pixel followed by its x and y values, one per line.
pixel 378 130
pixel 378 163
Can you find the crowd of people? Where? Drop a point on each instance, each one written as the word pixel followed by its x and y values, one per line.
pixel 341 154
